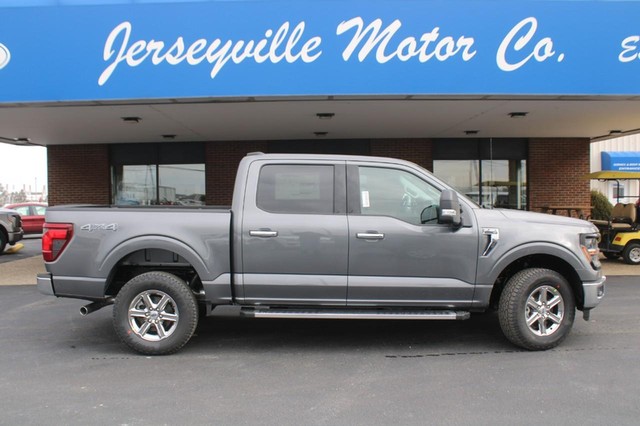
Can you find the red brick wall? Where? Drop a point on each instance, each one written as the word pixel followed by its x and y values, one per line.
pixel 415 150
pixel 222 159
pixel 78 174
pixel 556 167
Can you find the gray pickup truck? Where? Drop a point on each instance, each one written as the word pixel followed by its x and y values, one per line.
pixel 324 237
pixel 10 228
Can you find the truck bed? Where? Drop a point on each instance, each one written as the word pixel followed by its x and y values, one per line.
pixel 104 236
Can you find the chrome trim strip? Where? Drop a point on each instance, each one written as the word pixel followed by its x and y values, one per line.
pixel 354 314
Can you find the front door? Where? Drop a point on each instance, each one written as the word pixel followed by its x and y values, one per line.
pixel 394 259
pixel 294 234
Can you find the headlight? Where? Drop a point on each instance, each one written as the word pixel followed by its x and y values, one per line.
pixel 17 221
pixel 589 246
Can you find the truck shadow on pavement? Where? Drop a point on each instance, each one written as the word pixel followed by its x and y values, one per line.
pixel 60 327
pixel 220 335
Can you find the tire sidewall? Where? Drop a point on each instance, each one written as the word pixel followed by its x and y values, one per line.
pixel 627 251
pixel 3 241
pixel 185 302
pixel 520 287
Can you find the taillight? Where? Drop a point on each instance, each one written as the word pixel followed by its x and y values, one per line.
pixel 55 237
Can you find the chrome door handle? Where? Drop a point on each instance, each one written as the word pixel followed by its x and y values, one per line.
pixel 369 236
pixel 263 233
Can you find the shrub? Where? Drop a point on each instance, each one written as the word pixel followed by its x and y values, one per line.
pixel 600 206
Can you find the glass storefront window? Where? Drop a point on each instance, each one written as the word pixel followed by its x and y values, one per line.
pixel 490 183
pixel 181 184
pixel 135 185
pixel 504 184
pixel 492 172
pixel 463 175
pixel 165 184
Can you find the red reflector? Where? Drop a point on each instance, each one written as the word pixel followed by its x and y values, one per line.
pixel 617 239
pixel 55 238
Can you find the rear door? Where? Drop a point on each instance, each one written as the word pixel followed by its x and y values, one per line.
pixel 294 234
pixel 394 259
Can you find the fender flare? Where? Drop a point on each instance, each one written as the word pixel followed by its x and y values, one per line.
pixel 127 247
pixel 536 248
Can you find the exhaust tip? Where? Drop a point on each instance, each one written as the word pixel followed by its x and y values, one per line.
pixel 94 306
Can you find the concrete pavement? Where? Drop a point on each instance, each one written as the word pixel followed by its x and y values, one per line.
pixel 21 272
pixel 24 271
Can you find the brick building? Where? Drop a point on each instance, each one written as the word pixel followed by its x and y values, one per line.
pixel 147 103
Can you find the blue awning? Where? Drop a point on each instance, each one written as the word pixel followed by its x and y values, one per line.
pixel 621 161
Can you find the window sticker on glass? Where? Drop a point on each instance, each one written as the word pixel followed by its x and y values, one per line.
pixel 365 200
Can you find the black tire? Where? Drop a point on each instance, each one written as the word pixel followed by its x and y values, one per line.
pixel 526 298
pixel 631 254
pixel 3 241
pixel 155 313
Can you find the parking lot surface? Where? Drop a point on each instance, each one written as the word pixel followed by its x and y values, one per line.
pixel 59 367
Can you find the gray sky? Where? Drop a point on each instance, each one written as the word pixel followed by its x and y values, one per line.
pixel 23 165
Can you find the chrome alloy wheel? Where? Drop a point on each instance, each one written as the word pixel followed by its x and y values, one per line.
pixel 153 315
pixel 544 310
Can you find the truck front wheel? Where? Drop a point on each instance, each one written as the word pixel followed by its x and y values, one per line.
pixel 537 309
pixel 3 241
pixel 155 313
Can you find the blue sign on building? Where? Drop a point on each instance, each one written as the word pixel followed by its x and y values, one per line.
pixel 620 161
pixel 107 50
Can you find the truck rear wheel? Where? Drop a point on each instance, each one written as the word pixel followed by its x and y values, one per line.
pixel 155 313
pixel 537 309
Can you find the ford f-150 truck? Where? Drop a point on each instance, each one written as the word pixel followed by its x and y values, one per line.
pixel 324 237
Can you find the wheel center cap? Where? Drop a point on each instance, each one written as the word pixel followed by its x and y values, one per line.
pixel 153 315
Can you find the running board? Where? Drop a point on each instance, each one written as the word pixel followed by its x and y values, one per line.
pixel 354 314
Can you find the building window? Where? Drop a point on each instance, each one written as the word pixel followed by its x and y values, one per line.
pixel 618 192
pixel 158 174
pixel 491 172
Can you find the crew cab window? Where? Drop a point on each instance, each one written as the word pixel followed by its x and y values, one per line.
pixel 296 189
pixel 395 193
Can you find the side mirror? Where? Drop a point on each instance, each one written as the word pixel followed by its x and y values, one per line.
pixel 450 208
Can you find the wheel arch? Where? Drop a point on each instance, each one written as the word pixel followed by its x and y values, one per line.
pixel 144 254
pixel 548 259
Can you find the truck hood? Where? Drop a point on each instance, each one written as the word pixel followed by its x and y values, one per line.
pixel 7 211
pixel 536 218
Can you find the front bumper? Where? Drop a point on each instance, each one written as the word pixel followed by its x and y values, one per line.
pixel 45 284
pixel 593 292
pixel 14 237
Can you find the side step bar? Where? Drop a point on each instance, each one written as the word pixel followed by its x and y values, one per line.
pixel 354 314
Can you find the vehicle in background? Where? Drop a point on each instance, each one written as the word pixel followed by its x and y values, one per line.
pixel 621 232
pixel 10 228
pixel 32 215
